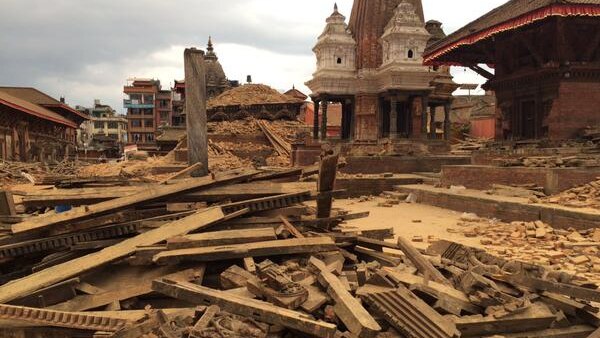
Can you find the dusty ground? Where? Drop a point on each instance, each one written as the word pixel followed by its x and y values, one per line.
pixel 408 220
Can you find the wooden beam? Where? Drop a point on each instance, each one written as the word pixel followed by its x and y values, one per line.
pixel 588 54
pixel 204 321
pixel 144 196
pixel 527 44
pixel 183 173
pixel 422 264
pixel 258 249
pixel 7 203
pixel 26 285
pixel 347 308
pixel 327 174
pixel 291 228
pixel 195 109
pixel 481 72
pixel 225 237
pixel 549 286
pixel 242 306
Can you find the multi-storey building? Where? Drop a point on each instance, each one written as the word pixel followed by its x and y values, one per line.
pixel 35 126
pixel 105 126
pixel 148 106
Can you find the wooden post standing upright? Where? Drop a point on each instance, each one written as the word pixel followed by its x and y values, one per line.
pixel 195 109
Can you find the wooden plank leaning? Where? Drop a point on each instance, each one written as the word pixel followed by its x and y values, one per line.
pixel 144 196
pixel 23 286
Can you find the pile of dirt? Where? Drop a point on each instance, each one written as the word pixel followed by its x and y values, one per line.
pixel 250 94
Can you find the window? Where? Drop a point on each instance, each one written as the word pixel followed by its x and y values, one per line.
pixel 164 116
pixel 149 137
pixel 148 99
pixel 149 123
pixel 99 125
pixel 136 123
pixel 411 54
pixel 113 136
pixel 147 111
pixel 135 97
pixel 136 137
pixel 339 61
pixel 134 111
pixel 112 125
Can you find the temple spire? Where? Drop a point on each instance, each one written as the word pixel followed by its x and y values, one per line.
pixel 210 48
pixel 335 7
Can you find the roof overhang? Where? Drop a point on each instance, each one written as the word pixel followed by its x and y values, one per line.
pixel 40 113
pixel 441 49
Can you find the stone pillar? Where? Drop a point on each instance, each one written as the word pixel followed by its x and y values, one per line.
pixel 324 121
pixel 195 110
pixel 447 129
pixel 432 129
pixel 317 104
pixel 424 105
pixel 393 118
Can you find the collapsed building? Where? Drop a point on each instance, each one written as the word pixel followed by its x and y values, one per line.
pixel 35 126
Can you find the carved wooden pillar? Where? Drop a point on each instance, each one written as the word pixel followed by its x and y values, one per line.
pixel 432 129
pixel 447 131
pixel 393 118
pixel 424 105
pixel 317 103
pixel 324 121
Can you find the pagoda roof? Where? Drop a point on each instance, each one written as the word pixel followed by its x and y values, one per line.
pixel 510 16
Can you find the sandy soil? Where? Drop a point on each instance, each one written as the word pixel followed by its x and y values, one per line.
pixel 408 220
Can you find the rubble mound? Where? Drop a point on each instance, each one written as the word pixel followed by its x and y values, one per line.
pixel 585 196
pixel 250 94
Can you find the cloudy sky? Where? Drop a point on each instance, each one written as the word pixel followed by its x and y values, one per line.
pixel 87 49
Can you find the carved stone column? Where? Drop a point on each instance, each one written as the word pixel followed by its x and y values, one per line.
pixel 316 103
pixel 432 129
pixel 447 124
pixel 424 105
pixel 324 121
pixel 393 118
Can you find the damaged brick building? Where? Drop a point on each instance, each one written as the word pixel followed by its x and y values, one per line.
pixel 546 58
pixel 35 126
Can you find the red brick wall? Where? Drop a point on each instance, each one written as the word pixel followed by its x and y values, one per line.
pixel 483 177
pixel 366 118
pixel 577 106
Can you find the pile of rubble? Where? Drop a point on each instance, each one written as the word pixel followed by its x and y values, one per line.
pixel 239 254
pixel 248 95
pixel 572 251
pixel 581 160
pixel 469 144
pixel 586 196
pixel 21 172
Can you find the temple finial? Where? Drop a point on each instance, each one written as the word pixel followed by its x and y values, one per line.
pixel 335 7
pixel 210 48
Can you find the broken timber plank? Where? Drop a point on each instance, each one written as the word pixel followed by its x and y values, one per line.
pixel 225 237
pixel 536 317
pixel 53 318
pixel 203 322
pixel 347 308
pixel 554 287
pixel 410 315
pixel 144 196
pixel 578 331
pixel 257 310
pixel 420 262
pixel 26 285
pixel 258 249
pixel 290 227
